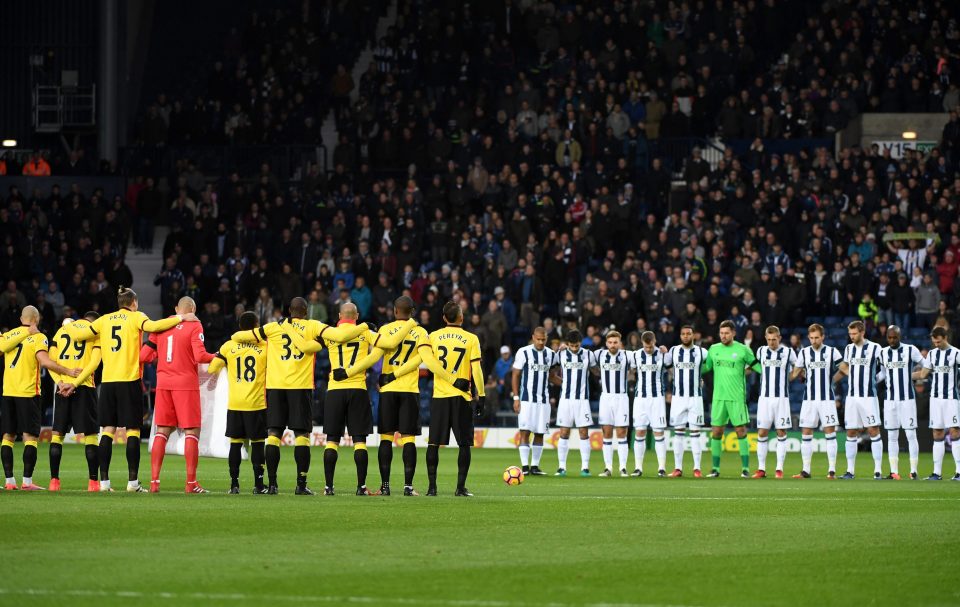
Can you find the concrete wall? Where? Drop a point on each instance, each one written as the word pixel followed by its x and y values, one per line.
pixel 885 127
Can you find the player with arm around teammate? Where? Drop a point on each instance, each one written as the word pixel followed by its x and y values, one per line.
pixel 773 408
pixel 861 362
pixel 25 352
pixel 688 362
pixel 943 363
pixel 178 352
pixel 120 404
pixel 899 361
pixel 573 410
pixel 649 404
pixel 816 365
pixel 612 365
pixel 246 371
pixel 452 353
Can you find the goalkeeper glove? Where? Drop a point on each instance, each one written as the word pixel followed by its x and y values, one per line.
pixel 386 378
pixel 462 384
pixel 371 326
pixel 340 374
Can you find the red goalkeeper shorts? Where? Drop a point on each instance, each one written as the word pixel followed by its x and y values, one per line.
pixel 177 408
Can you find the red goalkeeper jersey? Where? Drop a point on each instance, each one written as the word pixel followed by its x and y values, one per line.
pixel 177 351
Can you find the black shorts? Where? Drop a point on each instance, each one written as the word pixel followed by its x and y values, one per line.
pixel 251 425
pixel 349 407
pixel 121 404
pixel 289 409
pixel 78 411
pixel 21 415
pixel 451 413
pixel 399 412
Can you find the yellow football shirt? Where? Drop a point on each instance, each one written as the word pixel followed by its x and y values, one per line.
pixel 121 335
pixel 246 366
pixel 71 352
pixel 399 356
pixel 21 372
pixel 345 356
pixel 287 367
pixel 456 349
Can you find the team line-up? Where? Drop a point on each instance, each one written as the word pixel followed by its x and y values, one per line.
pixel 270 371
pixel 270 375
pixel 865 364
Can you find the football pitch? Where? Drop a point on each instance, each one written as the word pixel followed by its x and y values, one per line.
pixel 548 542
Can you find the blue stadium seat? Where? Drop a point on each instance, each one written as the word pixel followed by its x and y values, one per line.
pixel 832 321
pixel 815 319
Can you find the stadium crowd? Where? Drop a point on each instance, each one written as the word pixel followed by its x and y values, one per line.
pixel 510 154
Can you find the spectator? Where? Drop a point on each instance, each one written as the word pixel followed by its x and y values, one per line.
pixel 927 301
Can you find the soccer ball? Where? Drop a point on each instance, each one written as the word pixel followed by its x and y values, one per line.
pixel 513 475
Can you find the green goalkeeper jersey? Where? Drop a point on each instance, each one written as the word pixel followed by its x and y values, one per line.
pixel 728 364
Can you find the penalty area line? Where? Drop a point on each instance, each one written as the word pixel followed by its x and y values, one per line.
pixel 307 598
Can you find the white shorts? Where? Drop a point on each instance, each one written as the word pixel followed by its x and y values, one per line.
pixel 774 412
pixel 901 414
pixel 816 413
pixel 861 412
pixel 534 417
pixel 574 414
pixel 615 410
pixel 686 410
pixel 650 412
pixel 944 413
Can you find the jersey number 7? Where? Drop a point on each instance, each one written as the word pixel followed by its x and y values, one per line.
pixel 461 352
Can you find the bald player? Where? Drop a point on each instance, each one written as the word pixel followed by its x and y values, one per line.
pixel 75 404
pixel 347 406
pixel 25 351
pixel 178 352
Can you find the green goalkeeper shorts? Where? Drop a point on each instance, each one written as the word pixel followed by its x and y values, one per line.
pixel 724 411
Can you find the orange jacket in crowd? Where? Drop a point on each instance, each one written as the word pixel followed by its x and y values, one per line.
pixel 37 167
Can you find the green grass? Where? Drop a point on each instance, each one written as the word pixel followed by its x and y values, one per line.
pixel 550 541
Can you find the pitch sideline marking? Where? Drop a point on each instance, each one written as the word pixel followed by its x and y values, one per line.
pixel 362 600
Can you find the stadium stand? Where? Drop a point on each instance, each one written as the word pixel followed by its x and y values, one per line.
pixel 540 161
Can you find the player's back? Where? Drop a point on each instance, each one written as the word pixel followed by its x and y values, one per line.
pixel 393 359
pixel 287 367
pixel 345 356
pixel 21 371
pixel 71 352
pixel 179 351
pixel 246 369
pixel 121 335
pixel 455 348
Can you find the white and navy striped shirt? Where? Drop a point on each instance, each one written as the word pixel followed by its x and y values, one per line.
pixel 776 371
pixel 911 259
pixel 649 373
pixel 899 365
pixel 944 366
pixel 863 362
pixel 575 374
pixel 686 363
pixel 819 365
pixel 613 371
pixel 535 373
